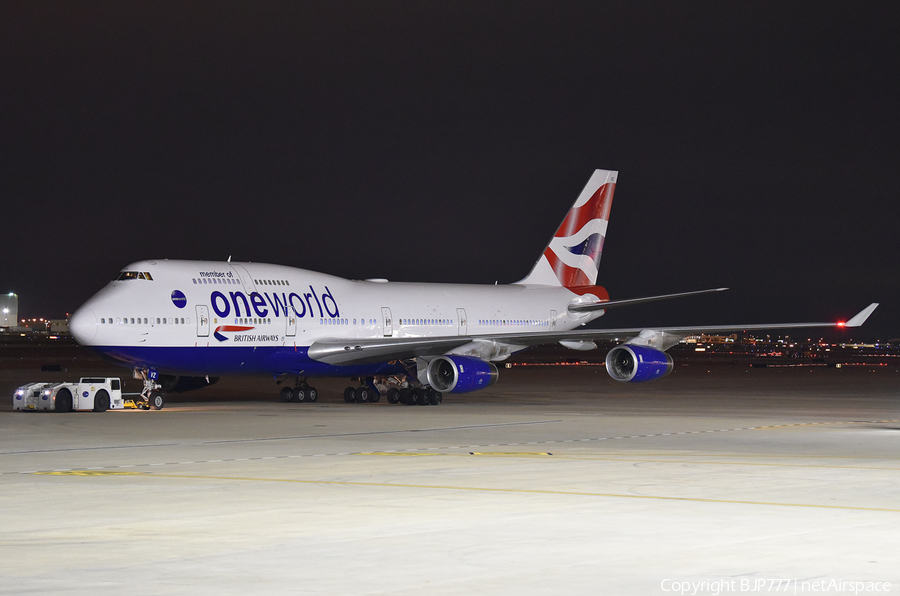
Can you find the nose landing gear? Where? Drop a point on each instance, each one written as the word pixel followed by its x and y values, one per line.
pixel 151 395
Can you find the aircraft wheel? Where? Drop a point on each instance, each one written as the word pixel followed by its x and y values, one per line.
pixel 408 397
pixel 393 395
pixel 421 397
pixel 286 394
pixel 64 401
pixel 434 397
pixel 362 394
pixel 374 396
pixel 299 394
pixel 101 401
pixel 349 395
pixel 311 394
pixel 157 401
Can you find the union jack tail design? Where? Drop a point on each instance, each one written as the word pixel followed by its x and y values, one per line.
pixel 573 256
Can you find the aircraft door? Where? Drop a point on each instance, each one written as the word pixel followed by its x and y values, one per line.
pixel 291 323
pixel 552 320
pixel 202 320
pixel 388 323
pixel 463 323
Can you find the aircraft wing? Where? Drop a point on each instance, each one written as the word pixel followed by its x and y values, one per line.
pixel 345 351
pixel 632 301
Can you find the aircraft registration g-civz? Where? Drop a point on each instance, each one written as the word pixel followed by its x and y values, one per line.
pixel 176 323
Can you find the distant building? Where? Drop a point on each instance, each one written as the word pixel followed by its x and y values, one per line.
pixel 9 311
pixel 35 325
pixel 710 339
pixel 58 326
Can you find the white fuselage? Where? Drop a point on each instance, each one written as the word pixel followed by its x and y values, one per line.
pixel 204 317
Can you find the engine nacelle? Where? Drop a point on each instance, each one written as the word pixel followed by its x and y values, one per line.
pixel 634 364
pixel 459 374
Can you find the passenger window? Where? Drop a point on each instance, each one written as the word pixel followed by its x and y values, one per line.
pixel 114 384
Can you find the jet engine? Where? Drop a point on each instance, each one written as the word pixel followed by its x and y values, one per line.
pixel 459 374
pixel 178 384
pixel 634 364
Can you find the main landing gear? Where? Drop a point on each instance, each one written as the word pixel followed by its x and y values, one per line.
pixel 303 391
pixel 415 396
pixel 397 391
pixel 361 394
pixel 410 396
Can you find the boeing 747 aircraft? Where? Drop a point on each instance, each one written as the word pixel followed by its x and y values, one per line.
pixel 177 323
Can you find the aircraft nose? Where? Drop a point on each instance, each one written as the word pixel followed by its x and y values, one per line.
pixel 83 325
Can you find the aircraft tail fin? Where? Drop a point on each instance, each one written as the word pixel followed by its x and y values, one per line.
pixel 573 256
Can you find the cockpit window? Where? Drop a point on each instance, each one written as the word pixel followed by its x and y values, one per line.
pixel 134 275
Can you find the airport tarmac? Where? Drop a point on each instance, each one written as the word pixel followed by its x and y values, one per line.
pixel 557 480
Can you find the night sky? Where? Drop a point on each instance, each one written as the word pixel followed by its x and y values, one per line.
pixel 757 146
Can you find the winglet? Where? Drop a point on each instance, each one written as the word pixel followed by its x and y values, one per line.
pixel 861 316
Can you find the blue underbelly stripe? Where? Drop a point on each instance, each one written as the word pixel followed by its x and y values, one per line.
pixel 236 360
